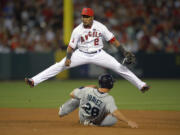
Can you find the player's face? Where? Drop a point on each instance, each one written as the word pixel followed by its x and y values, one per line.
pixel 87 20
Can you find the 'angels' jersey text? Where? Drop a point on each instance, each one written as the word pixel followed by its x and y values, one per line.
pixel 90 39
pixel 94 35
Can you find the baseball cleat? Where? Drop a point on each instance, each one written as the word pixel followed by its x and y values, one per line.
pixel 29 81
pixel 145 88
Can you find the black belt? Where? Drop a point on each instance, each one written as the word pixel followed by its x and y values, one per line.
pixel 91 52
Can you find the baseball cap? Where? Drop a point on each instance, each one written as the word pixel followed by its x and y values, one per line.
pixel 87 11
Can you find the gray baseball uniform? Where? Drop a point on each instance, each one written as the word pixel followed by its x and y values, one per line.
pixel 95 106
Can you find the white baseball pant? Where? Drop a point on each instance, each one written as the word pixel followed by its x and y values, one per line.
pixel 101 58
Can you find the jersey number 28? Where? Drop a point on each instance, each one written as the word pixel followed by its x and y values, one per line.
pixel 93 111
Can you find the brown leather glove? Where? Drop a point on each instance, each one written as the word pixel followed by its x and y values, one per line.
pixel 129 58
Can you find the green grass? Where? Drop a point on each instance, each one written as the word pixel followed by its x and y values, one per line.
pixel 164 94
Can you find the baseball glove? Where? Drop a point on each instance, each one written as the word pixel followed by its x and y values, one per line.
pixel 129 58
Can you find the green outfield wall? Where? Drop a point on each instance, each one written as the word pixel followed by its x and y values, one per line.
pixel 156 65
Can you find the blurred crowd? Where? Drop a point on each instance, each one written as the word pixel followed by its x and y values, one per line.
pixel 141 25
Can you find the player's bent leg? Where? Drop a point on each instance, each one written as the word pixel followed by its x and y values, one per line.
pixel 53 70
pixel 128 75
pixel 109 120
pixel 49 72
pixel 68 107
pixel 110 62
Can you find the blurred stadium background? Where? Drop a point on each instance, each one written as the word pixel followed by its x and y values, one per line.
pixel 34 34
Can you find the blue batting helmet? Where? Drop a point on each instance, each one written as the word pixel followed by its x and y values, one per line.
pixel 106 81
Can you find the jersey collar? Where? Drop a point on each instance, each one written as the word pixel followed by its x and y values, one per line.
pixel 100 94
pixel 89 27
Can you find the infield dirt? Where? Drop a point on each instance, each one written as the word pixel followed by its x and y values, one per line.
pixel 46 122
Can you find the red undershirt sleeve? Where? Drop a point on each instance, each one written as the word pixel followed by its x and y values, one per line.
pixel 112 40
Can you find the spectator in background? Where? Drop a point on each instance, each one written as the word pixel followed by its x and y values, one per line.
pixel 4 48
pixel 143 25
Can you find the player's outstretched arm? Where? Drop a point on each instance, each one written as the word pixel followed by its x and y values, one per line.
pixel 121 117
pixel 129 58
pixel 68 56
pixel 72 94
pixel 92 86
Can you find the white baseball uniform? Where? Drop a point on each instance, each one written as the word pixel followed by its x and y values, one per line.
pixel 88 43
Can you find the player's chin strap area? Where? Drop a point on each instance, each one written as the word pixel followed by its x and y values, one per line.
pixel 91 52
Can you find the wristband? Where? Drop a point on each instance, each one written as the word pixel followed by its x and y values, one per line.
pixel 68 55
pixel 121 50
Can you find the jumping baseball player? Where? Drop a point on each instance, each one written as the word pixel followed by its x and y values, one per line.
pixel 96 106
pixel 86 46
